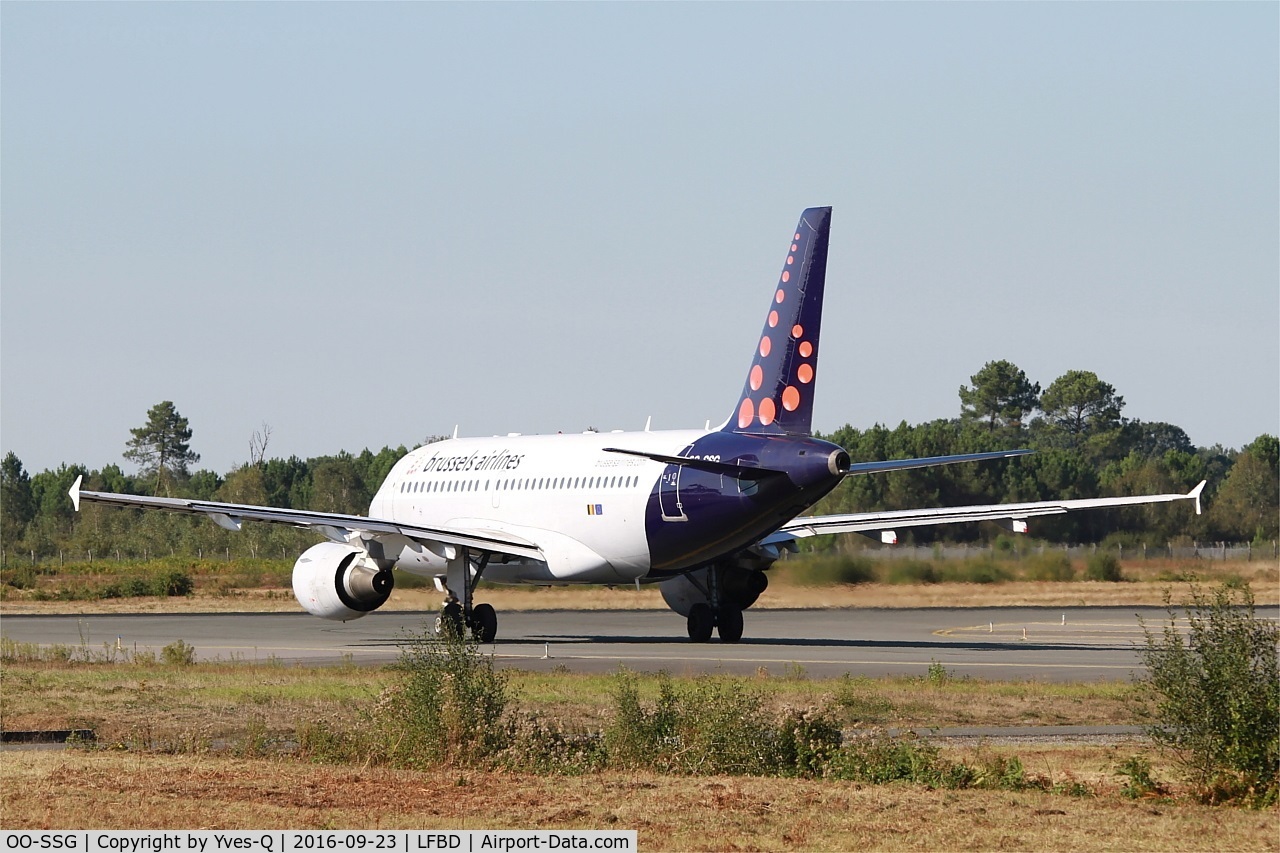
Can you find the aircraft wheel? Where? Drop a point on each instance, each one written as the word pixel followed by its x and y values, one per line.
pixel 730 624
pixel 449 622
pixel 701 621
pixel 484 623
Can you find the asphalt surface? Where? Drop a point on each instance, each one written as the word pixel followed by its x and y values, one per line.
pixel 1052 644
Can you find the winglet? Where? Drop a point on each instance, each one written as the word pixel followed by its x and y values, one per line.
pixel 75 492
pixel 1194 494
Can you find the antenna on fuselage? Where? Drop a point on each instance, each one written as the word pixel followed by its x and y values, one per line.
pixel 455 430
pixel 647 422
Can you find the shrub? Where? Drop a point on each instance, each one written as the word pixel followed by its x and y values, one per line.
pixel 1049 566
pixel 170 583
pixel 824 570
pixel 178 653
pixel 714 726
pixel 449 706
pixel 877 759
pixel 1139 782
pixel 1103 566
pixel 911 571
pixel 1217 695
pixel 982 570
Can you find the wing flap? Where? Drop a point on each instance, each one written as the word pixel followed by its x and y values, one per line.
pixel 332 525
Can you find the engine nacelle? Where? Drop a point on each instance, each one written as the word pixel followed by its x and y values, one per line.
pixel 339 582
pixel 738 588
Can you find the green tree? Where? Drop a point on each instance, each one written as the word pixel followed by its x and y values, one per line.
pixel 1156 438
pixel 1001 394
pixel 1248 504
pixel 16 506
pixel 1079 402
pixel 161 447
pixel 336 486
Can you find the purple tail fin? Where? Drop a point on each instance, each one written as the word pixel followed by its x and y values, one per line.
pixel 778 395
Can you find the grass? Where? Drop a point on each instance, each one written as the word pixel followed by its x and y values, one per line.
pixel 125 790
pixel 214 745
pixel 210 701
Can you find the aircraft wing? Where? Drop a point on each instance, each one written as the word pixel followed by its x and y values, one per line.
pixel 1013 516
pixel 335 526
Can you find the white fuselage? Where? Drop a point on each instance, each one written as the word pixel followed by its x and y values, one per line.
pixel 584 506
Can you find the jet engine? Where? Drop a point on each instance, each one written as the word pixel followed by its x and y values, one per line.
pixel 340 582
pixel 735 587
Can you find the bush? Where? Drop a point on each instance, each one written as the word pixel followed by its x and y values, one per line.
pixel 1217 696
pixel 171 583
pixel 1103 566
pixel 823 571
pixel 911 571
pixel 449 706
pixel 1049 566
pixel 178 653
pixel 715 726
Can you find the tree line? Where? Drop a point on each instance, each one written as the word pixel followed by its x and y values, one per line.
pixel 1085 448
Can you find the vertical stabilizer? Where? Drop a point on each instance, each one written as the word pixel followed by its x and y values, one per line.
pixel 777 397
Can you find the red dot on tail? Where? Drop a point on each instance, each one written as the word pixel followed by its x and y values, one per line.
pixel 797 330
pixel 773 319
pixel 791 398
pixel 768 411
pixel 806 349
pixel 757 377
pixel 766 346
pixel 746 412
pixel 805 373
pixel 786 276
pixel 779 296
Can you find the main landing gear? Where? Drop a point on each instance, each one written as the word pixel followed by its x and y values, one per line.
pixel 459 614
pixel 728 621
pixel 725 594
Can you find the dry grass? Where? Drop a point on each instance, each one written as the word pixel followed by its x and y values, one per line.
pixel 191 707
pixel 1148 581
pixel 75 789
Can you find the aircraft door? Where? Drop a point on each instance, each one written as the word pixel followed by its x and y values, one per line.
pixel 669 491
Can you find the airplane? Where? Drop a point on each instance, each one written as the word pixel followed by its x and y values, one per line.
pixel 703 513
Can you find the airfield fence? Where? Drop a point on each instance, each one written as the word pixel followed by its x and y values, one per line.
pixel 1224 551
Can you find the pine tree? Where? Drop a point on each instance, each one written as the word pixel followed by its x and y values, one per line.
pixel 161 447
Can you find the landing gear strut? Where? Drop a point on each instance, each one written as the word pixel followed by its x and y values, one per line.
pixel 721 612
pixel 458 613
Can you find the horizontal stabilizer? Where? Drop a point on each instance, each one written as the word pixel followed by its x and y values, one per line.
pixel 928 461
pixel 739 472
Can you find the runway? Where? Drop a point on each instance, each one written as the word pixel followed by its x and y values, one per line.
pixel 1054 644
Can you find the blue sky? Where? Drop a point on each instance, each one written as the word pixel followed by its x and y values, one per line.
pixel 363 224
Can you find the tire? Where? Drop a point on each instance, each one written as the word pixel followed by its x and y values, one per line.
pixel 730 624
pixel 701 621
pixel 484 623
pixel 449 622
